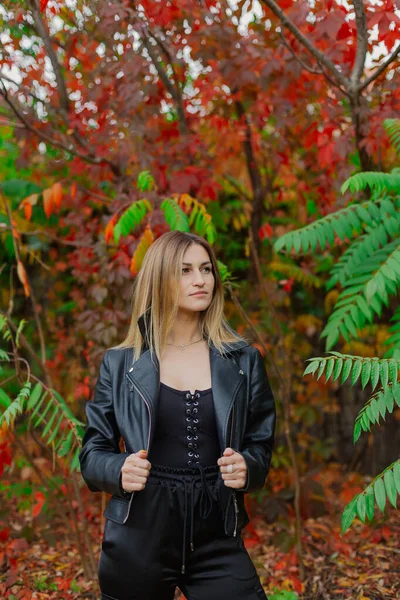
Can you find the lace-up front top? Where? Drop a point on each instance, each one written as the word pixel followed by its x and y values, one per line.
pixel 186 433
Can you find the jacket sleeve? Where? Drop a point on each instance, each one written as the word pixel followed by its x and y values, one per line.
pixel 100 457
pixel 258 439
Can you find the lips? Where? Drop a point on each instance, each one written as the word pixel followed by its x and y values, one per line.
pixel 199 294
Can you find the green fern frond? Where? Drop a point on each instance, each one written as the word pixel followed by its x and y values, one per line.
pixel 386 278
pixel 17 406
pixel 145 182
pixel 380 182
pixel 131 218
pixel 297 273
pixel 199 218
pixel 352 309
pixel 376 407
pixel 47 408
pixel 370 370
pixel 385 486
pixel 174 215
pixel 392 127
pixel 21 325
pixel 362 247
pixel 343 223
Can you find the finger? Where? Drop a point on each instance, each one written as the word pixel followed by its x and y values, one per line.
pixel 134 487
pixel 137 471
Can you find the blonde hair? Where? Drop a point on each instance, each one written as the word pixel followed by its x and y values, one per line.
pixel 156 289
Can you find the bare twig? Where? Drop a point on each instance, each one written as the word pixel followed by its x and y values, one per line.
pixel 380 69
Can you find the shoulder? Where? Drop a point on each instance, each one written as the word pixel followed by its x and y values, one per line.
pixel 116 358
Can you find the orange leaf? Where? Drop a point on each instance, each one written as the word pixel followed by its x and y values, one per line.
pixel 28 211
pixel 73 190
pixel 27 204
pixel 48 201
pixel 23 278
pixel 57 194
pixel 37 507
pixel 109 230
pixel 14 230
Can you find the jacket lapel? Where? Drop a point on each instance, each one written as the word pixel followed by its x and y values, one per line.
pixel 226 378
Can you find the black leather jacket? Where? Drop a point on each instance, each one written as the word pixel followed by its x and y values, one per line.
pixel 125 404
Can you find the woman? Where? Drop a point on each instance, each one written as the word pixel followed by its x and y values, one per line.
pixel 177 507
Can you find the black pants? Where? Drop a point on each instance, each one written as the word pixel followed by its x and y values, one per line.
pixel 174 536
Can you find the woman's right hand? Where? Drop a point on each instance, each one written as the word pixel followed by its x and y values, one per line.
pixel 135 472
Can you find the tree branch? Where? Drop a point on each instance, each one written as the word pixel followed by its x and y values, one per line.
pixel 362 45
pixel 380 69
pixel 44 34
pixel 43 136
pixel 318 55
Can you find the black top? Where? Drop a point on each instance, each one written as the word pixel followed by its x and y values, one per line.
pixel 186 432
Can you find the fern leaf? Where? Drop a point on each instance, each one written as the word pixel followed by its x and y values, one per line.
pixel 380 182
pixel 385 486
pixel 378 405
pixel 343 223
pixel 392 127
pixel 131 218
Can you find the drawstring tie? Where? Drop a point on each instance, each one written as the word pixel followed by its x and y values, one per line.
pixel 205 498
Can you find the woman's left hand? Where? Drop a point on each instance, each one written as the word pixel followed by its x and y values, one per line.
pixel 238 477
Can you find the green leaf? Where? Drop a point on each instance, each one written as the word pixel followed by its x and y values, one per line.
pixel 365 373
pixel 370 503
pixel 321 368
pixel 396 475
pixel 346 369
pixel 357 431
pixel 374 373
pixel 380 495
pixel 356 371
pixel 390 487
pixel 349 514
pixel 384 372
pixel 361 507
pixel 35 395
pixel 329 368
pixel 311 367
pixel 337 369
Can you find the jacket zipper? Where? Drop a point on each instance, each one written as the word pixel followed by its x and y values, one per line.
pixel 132 387
pixel 236 512
pixel 235 504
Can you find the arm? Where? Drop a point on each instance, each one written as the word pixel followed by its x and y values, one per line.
pixel 100 457
pixel 260 429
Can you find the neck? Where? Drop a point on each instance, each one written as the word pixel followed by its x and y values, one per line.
pixel 184 331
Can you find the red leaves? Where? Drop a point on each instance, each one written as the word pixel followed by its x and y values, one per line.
pixel 43 4
pixel 5 456
pixel 265 231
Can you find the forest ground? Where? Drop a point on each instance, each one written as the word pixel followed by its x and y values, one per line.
pixel 39 561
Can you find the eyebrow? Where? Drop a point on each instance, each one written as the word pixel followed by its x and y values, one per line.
pixel 207 262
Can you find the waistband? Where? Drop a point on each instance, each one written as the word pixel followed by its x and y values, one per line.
pixel 187 478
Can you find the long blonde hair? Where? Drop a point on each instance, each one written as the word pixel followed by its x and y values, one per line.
pixel 156 289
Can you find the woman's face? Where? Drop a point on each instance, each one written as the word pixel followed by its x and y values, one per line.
pixel 196 276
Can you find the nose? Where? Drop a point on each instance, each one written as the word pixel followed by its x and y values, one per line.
pixel 198 277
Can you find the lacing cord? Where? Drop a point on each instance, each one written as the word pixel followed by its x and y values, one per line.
pixel 205 499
